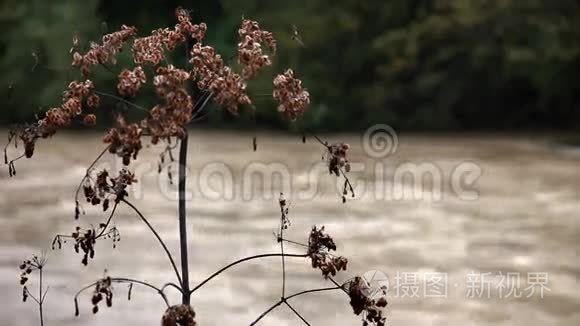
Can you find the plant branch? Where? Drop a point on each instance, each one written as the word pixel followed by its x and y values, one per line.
pixel 40 297
pixel 295 243
pixel 274 306
pixel 88 171
pixel 32 296
pixel 125 280
pixel 166 285
pixel 122 100
pixel 108 221
pixel 221 270
pixel 296 312
pixel 205 98
pixel 108 69
pixel 158 238
pixel 282 225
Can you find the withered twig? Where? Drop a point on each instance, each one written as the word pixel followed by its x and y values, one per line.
pixel 122 280
pixel 274 306
pixel 158 238
pixel 296 312
pixel 221 270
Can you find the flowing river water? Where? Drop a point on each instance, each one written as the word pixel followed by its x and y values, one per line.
pixel 492 222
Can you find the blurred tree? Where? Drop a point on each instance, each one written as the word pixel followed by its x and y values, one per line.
pixel 34 45
pixel 411 63
pixel 433 63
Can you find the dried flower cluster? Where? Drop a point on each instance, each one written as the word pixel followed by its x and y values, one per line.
pixel 168 120
pixel 130 81
pixel 124 140
pixel 60 117
pixel 227 87
pixel 360 302
pixel 72 106
pixel 319 246
pixel 85 240
pixel 291 96
pixel 209 73
pixel 179 315
pixel 150 49
pixel 185 27
pixel 250 53
pixel 103 290
pixel 104 186
pixel 30 265
pixel 103 53
pixel 90 120
pixel 284 210
pixel 336 158
pixel 27 267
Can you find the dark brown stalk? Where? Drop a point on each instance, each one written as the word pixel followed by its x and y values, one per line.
pixel 183 220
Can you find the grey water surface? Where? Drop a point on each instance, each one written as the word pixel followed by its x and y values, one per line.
pixel 520 216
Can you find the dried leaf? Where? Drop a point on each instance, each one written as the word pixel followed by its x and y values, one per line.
pixel 76 307
pixel 77 210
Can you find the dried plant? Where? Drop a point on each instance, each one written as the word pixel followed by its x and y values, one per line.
pixel 361 303
pixel 292 98
pixel 183 94
pixel 29 266
pixel 319 246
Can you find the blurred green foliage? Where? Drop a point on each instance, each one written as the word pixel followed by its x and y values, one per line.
pixel 422 64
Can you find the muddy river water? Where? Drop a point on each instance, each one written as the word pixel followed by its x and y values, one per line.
pixel 466 230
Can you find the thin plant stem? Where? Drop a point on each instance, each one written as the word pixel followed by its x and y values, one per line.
pixel 305 246
pixel 32 296
pixel 203 104
pixel 296 313
pixel 108 69
pixel 186 294
pixel 338 285
pixel 40 296
pixel 108 221
pixel 275 305
pixel 282 220
pixel 295 243
pixel 221 270
pixel 158 238
pixel 122 100
pixel 89 170
pixel 125 280
pixel 166 285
